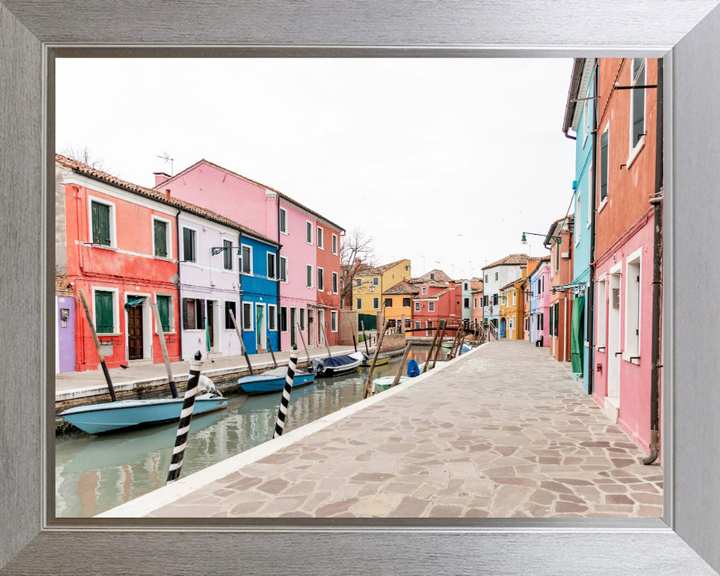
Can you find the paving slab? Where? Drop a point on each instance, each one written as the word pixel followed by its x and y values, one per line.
pixel 504 431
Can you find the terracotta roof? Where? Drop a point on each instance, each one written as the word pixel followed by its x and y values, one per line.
pixel 476 284
pixel 285 196
pixel 440 276
pixel 90 172
pixel 511 260
pixel 402 288
pixel 510 284
pixel 377 270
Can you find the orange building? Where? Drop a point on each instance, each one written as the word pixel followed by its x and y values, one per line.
pixel 559 240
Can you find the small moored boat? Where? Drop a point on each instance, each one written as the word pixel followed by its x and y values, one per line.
pixel 379 362
pixel 337 365
pixel 382 384
pixel 273 381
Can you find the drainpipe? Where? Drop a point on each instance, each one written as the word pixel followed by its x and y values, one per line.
pixel 590 297
pixel 180 307
pixel 277 320
pixel 656 201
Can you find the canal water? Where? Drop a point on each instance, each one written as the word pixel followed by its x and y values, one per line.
pixel 96 473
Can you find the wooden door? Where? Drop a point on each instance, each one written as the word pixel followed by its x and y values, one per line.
pixel 135 333
pixel 211 324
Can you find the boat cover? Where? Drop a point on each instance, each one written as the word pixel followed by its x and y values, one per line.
pixel 336 361
pixel 413 369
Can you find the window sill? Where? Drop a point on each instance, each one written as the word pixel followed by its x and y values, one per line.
pixel 108 335
pixel 602 205
pixel 635 358
pixel 246 273
pixel 167 333
pixel 635 152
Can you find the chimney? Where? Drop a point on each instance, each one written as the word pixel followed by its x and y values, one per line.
pixel 160 177
pixel 167 193
pixel 451 284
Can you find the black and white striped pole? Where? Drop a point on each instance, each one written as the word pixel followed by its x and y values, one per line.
pixel 185 418
pixel 285 401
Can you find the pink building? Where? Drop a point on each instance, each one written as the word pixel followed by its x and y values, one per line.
pixel 539 282
pixel 274 215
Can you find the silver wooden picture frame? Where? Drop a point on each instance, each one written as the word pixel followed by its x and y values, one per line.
pixel 686 33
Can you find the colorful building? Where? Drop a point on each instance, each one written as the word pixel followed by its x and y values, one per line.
pixel 476 293
pixel 626 159
pixel 327 241
pixel 280 218
pixel 436 301
pixel 511 309
pixel 539 284
pixel 559 241
pixel 121 250
pixel 370 282
pixel 466 301
pixel 496 275
pixel 397 302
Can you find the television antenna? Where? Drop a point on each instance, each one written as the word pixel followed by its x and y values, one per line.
pixel 167 159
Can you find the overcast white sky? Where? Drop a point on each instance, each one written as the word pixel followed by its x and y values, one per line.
pixel 446 159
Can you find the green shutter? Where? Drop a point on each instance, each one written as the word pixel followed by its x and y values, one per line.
pixel 160 238
pixel 104 312
pixel 163 303
pixel 227 255
pixel 188 245
pixel 100 224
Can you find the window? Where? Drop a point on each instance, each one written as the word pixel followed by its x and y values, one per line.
pixel 308 275
pixel 189 245
pixel 334 282
pixel 417 306
pixel 604 164
pixel 424 290
pixel 376 303
pixel 466 286
pixel 163 304
pixel 632 310
pixel 283 221
pixel 503 299
pixel 637 98
pixel 466 302
pixel 495 299
pixel 602 309
pixel 406 302
pixel 100 223
pixel 160 238
pixel 358 283
pixel 320 238
pixel 485 300
pixel 230 306
pixel 247 316
pixel 308 232
pixel 321 280
pixel 272 317
pixel 557 313
pixel 388 302
pixel 333 321
pixel 283 269
pixel 247 259
pixel 431 306
pixel 283 319
pixel 486 278
pixel 417 325
pixel 552 310
pixel 496 275
pixel 334 244
pixel 227 255
pixel 376 281
pixel 193 314
pixel 432 275
pixel 358 304
pixel 407 268
pixel 514 296
pixel 271 266
pixel 474 302
pixel 302 319
pixel 104 313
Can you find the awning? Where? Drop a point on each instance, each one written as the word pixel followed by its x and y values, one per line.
pixel 134 302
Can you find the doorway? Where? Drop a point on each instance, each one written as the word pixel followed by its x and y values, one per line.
pixel 211 325
pixel 135 333
pixel 311 327
pixel 502 328
pixel 614 348
pixel 260 333
pixel 321 327
pixel 293 327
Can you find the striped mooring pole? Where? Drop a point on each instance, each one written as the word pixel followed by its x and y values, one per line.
pixel 282 412
pixel 185 418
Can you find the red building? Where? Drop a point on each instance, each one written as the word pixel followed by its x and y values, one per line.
pixel 328 279
pixel 122 252
pixel 436 301
pixel 559 240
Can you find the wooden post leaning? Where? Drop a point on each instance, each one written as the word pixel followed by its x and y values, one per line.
pixel 368 384
pixel 327 345
pixel 432 348
pixel 451 354
pixel 367 350
pixel 242 346
pixel 271 351
pixel 97 346
pixel 396 381
pixel 437 350
pixel 166 358
pixel 302 339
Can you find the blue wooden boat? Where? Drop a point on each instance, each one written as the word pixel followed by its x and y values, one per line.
pixel 273 381
pixel 337 365
pixel 111 416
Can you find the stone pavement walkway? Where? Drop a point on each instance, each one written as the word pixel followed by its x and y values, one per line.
pixel 504 432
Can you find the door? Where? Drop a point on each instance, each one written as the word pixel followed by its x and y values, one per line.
pixel 614 348
pixel 293 327
pixel 260 333
pixel 211 325
pixel 321 327
pixel 311 327
pixel 502 328
pixel 135 333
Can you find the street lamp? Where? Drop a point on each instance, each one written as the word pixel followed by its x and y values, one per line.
pixel 524 241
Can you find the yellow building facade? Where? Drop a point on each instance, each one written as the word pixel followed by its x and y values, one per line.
pixel 397 301
pixel 370 283
pixel 511 309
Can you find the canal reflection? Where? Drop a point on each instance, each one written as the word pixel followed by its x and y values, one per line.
pixel 96 473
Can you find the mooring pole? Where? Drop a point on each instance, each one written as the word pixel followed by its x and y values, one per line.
pixel 302 339
pixel 451 355
pixel 432 348
pixel 285 400
pixel 185 419
pixel 271 351
pixel 97 346
pixel 368 384
pixel 396 381
pixel 242 346
pixel 354 342
pixel 367 350
pixel 437 350
pixel 327 345
pixel 166 358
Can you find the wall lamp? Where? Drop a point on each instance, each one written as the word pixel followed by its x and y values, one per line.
pixel 524 241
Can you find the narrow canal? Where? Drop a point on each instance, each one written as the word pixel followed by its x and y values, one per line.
pixel 96 473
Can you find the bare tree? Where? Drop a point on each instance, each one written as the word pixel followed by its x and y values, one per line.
pixel 356 252
pixel 85 156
